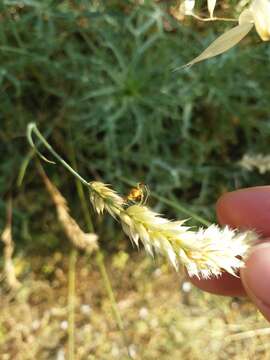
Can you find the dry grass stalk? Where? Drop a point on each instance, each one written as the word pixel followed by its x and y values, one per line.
pixel 8 251
pixel 80 239
pixel 248 334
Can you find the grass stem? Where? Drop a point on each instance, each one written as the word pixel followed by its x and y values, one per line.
pixel 171 203
pixel 71 302
pixel 99 256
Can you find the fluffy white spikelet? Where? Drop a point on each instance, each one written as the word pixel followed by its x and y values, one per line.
pixel 155 232
pixel 207 252
pixel 104 198
pixel 204 253
pixel 256 161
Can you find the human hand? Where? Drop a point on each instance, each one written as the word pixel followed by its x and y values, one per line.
pixel 246 209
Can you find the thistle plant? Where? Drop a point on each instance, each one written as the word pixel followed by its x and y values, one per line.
pixel 204 252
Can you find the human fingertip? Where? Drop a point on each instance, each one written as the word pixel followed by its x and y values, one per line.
pixel 246 208
pixel 256 277
pixel 226 285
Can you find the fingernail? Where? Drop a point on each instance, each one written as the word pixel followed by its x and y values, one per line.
pixel 256 277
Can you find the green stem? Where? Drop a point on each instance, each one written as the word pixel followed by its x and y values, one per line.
pixel 33 151
pixel 80 191
pixel 71 303
pixel 171 203
pixel 24 166
pixel 100 258
pixel 101 265
pixel 181 208
pixel 32 128
pixel 110 293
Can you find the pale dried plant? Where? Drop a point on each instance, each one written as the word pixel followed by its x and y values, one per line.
pixel 80 239
pixel 6 237
pixel 257 161
pixel 256 14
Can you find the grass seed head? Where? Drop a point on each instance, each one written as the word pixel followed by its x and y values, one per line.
pixel 205 253
pixel 104 198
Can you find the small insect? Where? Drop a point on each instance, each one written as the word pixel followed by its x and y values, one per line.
pixel 138 194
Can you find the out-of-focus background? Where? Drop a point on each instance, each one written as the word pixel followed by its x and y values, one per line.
pixel 97 78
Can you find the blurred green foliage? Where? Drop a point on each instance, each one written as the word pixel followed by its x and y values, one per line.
pixel 98 77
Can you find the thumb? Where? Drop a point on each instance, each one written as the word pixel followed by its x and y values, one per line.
pixel 256 277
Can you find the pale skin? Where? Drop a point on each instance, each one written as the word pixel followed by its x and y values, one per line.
pixel 246 209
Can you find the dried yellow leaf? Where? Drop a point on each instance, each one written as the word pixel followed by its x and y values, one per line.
pixel 223 43
pixel 80 239
pixel 245 17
